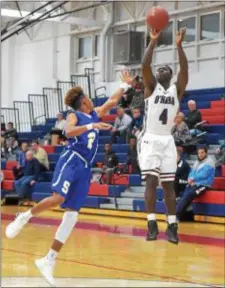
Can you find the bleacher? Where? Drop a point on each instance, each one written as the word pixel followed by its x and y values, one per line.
pixel 128 190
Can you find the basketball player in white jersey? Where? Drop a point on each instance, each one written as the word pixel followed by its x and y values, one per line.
pixel 157 154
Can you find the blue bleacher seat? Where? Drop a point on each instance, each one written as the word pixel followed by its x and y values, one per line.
pixel 121 156
pixel 139 205
pixel 219 128
pixel 3 164
pixel 116 190
pixel 209 209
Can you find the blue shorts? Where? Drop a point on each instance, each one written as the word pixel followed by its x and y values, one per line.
pixel 71 180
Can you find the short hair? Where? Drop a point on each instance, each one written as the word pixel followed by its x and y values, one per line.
pixel 191 102
pixel 181 114
pixel 10 123
pixel 73 97
pixel 202 147
pixel 136 108
pixel 36 142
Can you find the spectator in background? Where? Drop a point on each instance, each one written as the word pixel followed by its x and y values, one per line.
pixel 30 173
pixel 110 162
pixel 57 130
pixel 183 170
pixel 220 154
pixel 137 122
pixel 200 179
pixel 9 139
pixel 21 159
pixel 193 117
pixel 41 155
pixel 121 125
pixel 180 130
pixel 132 156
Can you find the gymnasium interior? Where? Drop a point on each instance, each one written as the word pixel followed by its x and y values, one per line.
pixel 48 47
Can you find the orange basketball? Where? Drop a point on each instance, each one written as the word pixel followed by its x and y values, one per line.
pixel 157 18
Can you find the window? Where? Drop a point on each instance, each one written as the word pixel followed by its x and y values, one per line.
pixel 189 23
pixel 97 45
pixel 85 47
pixel 210 26
pixel 166 37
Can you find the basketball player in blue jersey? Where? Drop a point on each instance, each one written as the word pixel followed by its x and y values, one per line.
pixel 71 180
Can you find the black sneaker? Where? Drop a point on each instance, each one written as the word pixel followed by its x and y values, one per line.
pixel 153 230
pixel 171 232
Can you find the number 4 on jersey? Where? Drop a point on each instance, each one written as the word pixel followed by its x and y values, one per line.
pixel 164 116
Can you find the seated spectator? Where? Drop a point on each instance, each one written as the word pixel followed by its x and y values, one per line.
pixel 9 139
pixel 220 154
pixel 30 173
pixel 132 156
pixel 193 117
pixel 200 179
pixel 180 130
pixel 110 162
pixel 181 176
pixel 137 122
pixel 21 159
pixel 121 125
pixel 57 130
pixel 41 155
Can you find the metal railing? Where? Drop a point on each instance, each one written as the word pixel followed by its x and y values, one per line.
pixel 85 81
pixel 40 103
pixel 26 113
pixel 65 86
pixel 54 101
pixel 11 115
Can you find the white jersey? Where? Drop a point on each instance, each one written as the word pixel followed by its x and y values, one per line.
pixel 160 110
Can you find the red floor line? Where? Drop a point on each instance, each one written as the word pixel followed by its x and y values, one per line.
pixel 204 240
pixel 117 269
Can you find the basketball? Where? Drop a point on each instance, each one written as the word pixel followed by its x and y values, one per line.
pixel 157 18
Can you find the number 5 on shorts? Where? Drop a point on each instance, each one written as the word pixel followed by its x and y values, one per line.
pixel 66 186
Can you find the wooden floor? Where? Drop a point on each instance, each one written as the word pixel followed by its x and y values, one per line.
pixel 114 252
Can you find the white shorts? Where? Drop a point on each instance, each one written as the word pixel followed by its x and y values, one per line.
pixel 157 155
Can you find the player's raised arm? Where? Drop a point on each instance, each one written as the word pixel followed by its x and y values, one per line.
pixel 182 79
pixel 149 79
pixel 127 82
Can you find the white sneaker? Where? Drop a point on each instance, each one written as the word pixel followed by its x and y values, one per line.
pixel 46 268
pixel 13 229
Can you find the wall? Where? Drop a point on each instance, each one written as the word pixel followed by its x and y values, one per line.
pixel 29 65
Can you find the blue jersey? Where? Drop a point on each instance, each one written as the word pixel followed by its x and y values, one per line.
pixel 85 144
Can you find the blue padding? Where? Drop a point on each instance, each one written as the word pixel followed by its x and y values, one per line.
pixel 3 164
pixel 52 166
pixel 113 111
pixel 104 139
pixel 53 157
pixel 218 172
pixel 219 128
pixel 44 187
pixel 139 205
pixel 200 105
pixel 117 148
pixel 135 180
pixel 30 135
pixel 92 202
pixel 3 193
pixel 105 133
pixel 51 121
pixel 159 194
pixel 47 176
pixel 212 138
pixel 115 190
pixel 209 209
pixel 38 196
pixel 206 91
pixel 59 149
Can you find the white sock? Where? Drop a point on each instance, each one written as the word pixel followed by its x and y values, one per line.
pixel 52 254
pixel 151 217
pixel 172 219
pixel 28 214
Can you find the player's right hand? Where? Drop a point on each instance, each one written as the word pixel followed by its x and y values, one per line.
pixel 154 34
pixel 102 126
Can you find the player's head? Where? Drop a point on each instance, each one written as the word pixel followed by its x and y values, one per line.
pixel 108 147
pixel 136 112
pixel 164 74
pixel 120 112
pixel 202 152
pixel 179 118
pixel 78 100
pixel 191 105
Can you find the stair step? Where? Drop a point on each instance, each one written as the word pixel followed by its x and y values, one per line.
pixel 126 207
pixel 107 206
pixel 132 195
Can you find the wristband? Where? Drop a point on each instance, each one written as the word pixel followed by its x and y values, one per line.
pixel 89 126
pixel 125 86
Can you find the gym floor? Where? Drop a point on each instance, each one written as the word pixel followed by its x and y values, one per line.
pixel 109 251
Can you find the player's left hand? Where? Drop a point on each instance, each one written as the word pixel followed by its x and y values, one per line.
pixel 180 36
pixel 126 77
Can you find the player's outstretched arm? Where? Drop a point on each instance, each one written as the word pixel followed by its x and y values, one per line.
pixel 148 77
pixel 182 79
pixel 127 82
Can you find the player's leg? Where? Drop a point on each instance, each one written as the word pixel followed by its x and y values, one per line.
pixel 149 161
pixel 74 200
pixel 167 176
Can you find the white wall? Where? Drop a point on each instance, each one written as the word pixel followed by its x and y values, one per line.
pixel 29 65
